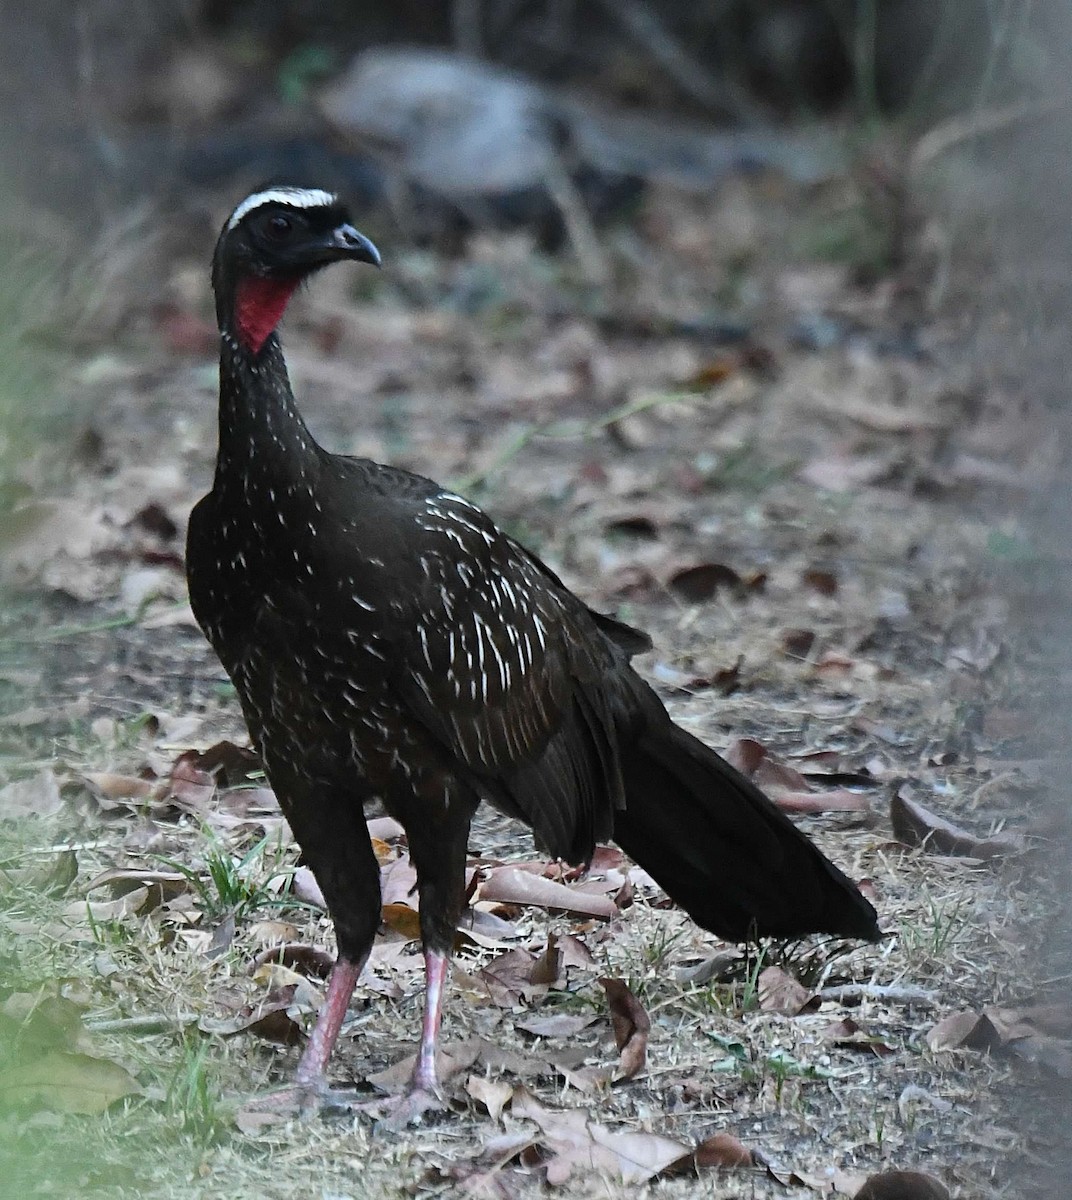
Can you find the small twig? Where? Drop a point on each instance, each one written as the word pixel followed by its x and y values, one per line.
pixel 152 1023
pixel 855 993
pixel 579 228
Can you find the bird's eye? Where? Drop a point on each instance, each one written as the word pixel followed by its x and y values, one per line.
pixel 278 227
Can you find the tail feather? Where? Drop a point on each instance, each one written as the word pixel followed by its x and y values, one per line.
pixel 724 852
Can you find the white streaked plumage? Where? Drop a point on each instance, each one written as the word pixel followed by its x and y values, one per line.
pixel 293 197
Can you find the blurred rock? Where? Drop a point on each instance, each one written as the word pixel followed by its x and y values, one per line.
pixel 453 124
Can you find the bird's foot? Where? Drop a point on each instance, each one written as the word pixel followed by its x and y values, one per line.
pixel 302 1099
pixel 394 1113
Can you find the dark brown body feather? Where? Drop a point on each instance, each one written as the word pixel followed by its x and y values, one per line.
pixel 386 639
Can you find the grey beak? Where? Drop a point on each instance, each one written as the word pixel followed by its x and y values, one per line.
pixel 348 243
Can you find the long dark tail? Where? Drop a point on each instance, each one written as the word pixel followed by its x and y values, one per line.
pixel 723 851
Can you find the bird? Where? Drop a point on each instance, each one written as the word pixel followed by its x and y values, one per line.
pixel 388 641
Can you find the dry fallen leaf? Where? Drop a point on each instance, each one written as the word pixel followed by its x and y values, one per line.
pixel 307 959
pixel 556 1025
pixel 902 1185
pixel 1025 1033
pixel 914 825
pixel 970 1030
pixel 189 787
pixel 31 1022
pixel 109 786
pixel 700 583
pixel 779 992
pixel 785 785
pixel 576 1144
pixel 631 1026
pixel 62 1082
pixel 548 967
pixel 305 887
pixel 398 883
pixel 847 1034
pixel 721 1150
pixel 509 885
pixel 162 885
pixel 493 1094
pixel 402 919
pixel 450 1060
pixel 269 1020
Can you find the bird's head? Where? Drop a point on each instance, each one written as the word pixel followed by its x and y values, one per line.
pixel 276 238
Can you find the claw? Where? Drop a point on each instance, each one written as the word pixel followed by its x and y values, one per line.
pixel 298 1101
pixel 407 1109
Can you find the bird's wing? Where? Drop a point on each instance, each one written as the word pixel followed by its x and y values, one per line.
pixel 508 670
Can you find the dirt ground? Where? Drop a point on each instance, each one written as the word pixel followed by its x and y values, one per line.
pixel 794 514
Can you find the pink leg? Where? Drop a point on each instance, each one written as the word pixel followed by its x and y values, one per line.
pixel 312 1068
pixel 425 1078
pixel 423 1094
pixel 309 1092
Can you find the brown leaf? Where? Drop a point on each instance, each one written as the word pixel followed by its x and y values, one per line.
pixel 109 786
pixel 779 992
pixel 574 1143
pixel 557 1025
pixel 830 800
pixel 512 886
pixel 631 1026
pixel 847 1034
pixel 508 977
pixel 548 967
pixel 721 1150
pixel 702 582
pixel 37 1022
pixel 222 937
pixel 493 1094
pixel 311 961
pixel 268 1020
pixel 902 1185
pixel 69 1083
pixel 451 1059
pixel 964 1029
pixel 1055 1019
pixel 95 912
pixel 785 785
pixel 190 787
pixel 400 918
pixel 823 582
pixel 162 885
pixel 914 825
pixel 229 763
pixel 574 952
pixel 745 754
pixel 486 929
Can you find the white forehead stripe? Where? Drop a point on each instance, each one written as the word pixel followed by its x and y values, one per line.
pixel 294 197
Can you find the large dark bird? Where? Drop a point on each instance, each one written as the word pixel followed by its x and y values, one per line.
pixel 387 640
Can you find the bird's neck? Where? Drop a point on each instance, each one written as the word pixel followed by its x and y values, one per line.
pixel 262 434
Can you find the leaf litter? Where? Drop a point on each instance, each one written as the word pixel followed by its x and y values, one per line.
pixel 833 578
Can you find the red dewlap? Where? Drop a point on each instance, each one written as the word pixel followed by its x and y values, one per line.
pixel 259 305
